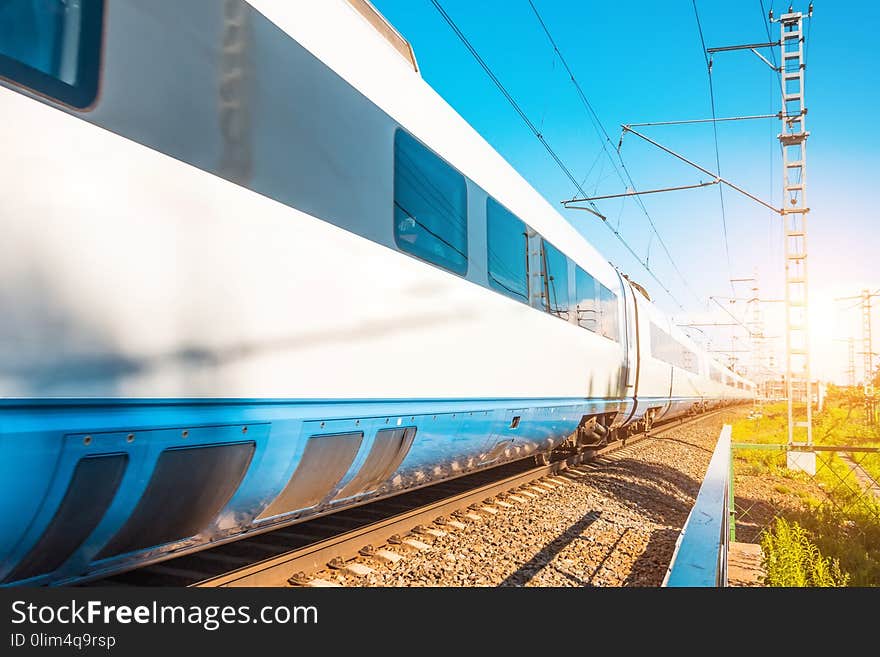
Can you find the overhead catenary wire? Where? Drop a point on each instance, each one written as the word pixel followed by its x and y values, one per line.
pixel 605 140
pixel 715 134
pixel 779 233
pixel 765 18
pixel 765 21
pixel 510 99
pixel 734 317
pixel 506 93
pixel 807 50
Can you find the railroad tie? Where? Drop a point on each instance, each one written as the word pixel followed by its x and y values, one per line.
pixel 387 556
pixel 322 583
pixel 429 531
pixel 416 544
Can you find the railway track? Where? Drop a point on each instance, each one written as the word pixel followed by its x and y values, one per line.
pixel 382 531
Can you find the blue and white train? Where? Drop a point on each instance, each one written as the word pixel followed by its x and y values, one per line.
pixel 253 269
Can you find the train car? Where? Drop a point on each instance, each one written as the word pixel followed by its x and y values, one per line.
pixel 255 270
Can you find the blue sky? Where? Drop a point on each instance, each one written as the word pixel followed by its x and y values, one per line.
pixel 643 61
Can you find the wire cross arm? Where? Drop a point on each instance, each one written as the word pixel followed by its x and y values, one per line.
pixel 745 46
pixel 578 207
pixel 721 120
pixel 724 181
pixel 590 199
pixel 766 61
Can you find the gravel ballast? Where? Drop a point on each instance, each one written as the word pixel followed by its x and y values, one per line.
pixel 614 525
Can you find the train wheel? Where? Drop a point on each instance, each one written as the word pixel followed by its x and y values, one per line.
pixel 542 458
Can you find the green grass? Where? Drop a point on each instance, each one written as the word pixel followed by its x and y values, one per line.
pixel 792 559
pixel 850 535
pixel 828 520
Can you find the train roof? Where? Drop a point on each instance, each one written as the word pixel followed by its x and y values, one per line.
pixel 339 35
pixel 364 48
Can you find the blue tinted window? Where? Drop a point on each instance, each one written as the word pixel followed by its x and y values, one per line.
pixel 585 292
pixel 430 205
pixel 506 238
pixel 53 47
pixel 610 319
pixel 555 279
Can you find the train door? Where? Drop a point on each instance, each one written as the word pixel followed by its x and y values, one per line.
pixel 630 343
pixel 674 378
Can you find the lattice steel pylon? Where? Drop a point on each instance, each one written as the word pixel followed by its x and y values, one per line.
pixel 793 139
pixel 867 354
pixel 755 322
pixel 851 362
pixel 867 344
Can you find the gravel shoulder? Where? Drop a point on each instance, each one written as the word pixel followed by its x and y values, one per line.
pixel 615 525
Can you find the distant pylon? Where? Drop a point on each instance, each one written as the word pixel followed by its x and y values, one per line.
pixel 851 369
pixel 867 344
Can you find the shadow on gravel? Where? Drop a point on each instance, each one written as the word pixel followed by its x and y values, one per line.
pixel 659 493
pixel 650 568
pixel 528 570
pixel 608 553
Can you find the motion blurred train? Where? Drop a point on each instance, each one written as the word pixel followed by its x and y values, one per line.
pixel 254 269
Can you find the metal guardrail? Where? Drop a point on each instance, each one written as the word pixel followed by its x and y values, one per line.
pixel 700 557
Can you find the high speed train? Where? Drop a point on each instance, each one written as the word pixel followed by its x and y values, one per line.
pixel 253 269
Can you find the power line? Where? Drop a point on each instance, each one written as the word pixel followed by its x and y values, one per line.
pixel 601 132
pixel 765 18
pixel 734 317
pixel 547 146
pixel 715 133
pixel 605 140
pixel 809 30
pixel 506 93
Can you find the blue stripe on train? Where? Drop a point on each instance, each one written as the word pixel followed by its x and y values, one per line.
pixel 42 442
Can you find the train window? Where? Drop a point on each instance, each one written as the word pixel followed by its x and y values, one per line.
pixel 608 305
pixel 689 360
pixel 666 348
pixel 53 47
pixel 555 280
pixel 585 293
pixel 430 205
pixel 659 344
pixel 506 236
